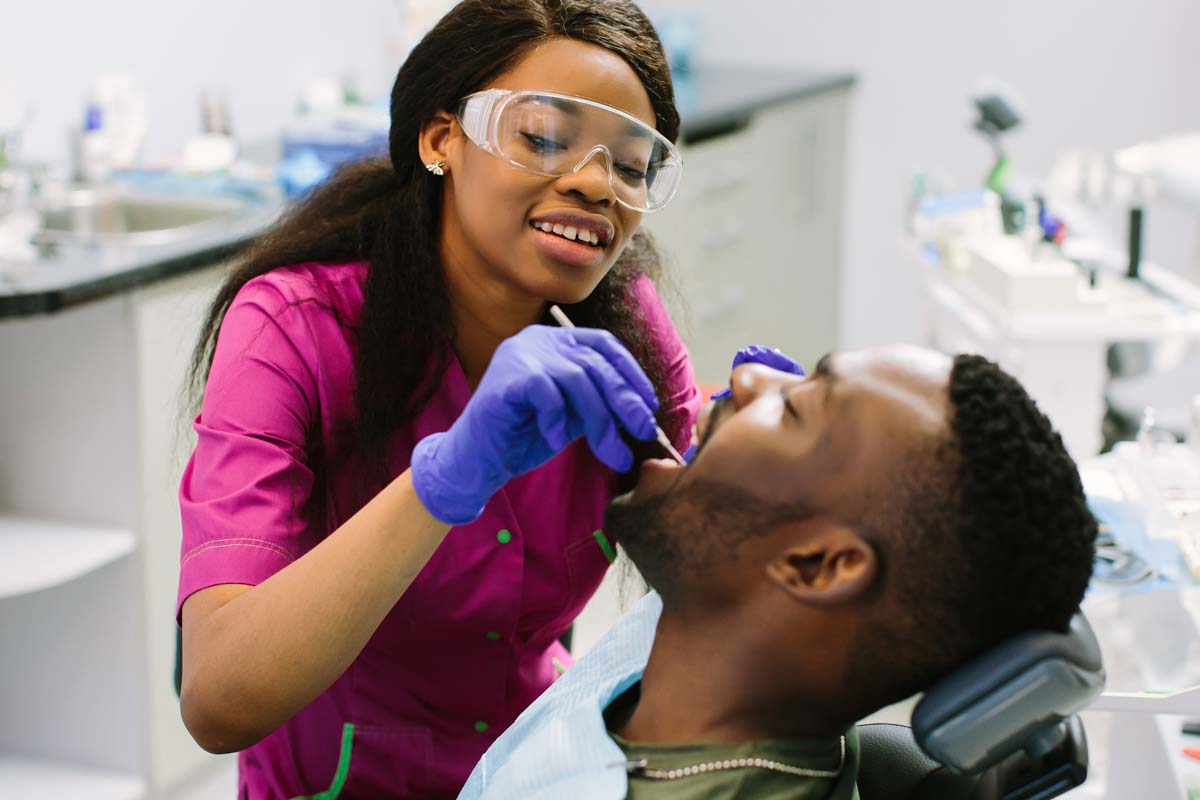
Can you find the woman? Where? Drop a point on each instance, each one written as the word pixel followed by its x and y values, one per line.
pixel 358 402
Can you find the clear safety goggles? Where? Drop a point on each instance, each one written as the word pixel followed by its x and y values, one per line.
pixel 558 134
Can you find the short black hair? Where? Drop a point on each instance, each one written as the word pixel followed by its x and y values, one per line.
pixel 988 536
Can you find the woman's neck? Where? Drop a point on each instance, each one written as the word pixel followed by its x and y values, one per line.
pixel 485 311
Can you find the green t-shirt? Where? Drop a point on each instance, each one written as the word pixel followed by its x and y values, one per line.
pixel 748 782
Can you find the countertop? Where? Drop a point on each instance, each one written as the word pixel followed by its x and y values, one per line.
pixel 712 101
pixel 70 274
pixel 715 100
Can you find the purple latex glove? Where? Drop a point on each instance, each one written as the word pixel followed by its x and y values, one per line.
pixel 544 388
pixel 760 354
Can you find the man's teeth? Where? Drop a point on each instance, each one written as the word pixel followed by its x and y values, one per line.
pixel 569 232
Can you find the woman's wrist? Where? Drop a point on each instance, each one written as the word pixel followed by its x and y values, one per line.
pixel 450 499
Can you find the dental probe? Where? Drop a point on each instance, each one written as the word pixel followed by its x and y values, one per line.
pixel 659 433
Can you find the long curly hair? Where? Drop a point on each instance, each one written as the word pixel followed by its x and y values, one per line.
pixel 385 211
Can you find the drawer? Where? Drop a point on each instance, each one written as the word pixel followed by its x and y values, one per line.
pixel 699 240
pixel 719 167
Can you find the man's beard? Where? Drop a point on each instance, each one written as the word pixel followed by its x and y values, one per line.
pixel 683 534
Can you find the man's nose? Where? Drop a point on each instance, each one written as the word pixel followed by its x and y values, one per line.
pixel 750 381
pixel 591 178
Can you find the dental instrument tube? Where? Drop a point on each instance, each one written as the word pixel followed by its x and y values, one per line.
pixel 1135 241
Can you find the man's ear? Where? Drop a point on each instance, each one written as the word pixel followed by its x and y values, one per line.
pixel 830 566
pixel 435 140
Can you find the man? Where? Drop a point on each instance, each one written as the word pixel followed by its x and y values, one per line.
pixel 838 542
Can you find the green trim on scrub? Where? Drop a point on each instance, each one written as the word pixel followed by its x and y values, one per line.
pixel 343 768
pixel 602 540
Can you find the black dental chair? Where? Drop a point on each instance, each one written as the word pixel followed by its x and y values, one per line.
pixel 1002 727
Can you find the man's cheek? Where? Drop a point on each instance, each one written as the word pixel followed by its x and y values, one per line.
pixel 734 466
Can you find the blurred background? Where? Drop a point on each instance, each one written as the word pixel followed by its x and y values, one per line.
pixel 1099 74
pixel 1020 179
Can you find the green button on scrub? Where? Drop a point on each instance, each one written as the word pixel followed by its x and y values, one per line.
pixel 493 635
pixel 481 726
pixel 504 537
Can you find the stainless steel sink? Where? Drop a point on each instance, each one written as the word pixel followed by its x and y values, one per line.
pixel 108 217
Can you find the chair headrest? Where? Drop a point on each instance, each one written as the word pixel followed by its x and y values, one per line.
pixel 996 703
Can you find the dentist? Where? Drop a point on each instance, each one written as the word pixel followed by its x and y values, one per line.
pixel 394 509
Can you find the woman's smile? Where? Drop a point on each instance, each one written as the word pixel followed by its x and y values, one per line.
pixel 558 245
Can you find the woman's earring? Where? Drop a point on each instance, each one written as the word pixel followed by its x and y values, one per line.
pixel 438 168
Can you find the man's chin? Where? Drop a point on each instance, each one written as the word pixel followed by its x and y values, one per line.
pixel 629 515
pixel 629 521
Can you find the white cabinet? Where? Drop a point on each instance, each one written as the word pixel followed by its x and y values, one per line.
pixel 754 237
pixel 93 446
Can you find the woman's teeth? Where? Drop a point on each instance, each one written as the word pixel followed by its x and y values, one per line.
pixel 569 232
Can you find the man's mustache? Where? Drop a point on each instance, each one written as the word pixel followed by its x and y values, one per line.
pixel 715 417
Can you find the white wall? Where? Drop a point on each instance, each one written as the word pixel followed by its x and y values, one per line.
pixel 1090 72
pixel 261 52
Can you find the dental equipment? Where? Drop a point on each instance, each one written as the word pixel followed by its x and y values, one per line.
pixel 562 319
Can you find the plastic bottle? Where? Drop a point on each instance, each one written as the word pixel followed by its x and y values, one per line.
pixel 95 165
pixel 214 149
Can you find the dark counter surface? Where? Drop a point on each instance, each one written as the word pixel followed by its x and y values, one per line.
pixel 69 274
pixel 711 101
pixel 714 100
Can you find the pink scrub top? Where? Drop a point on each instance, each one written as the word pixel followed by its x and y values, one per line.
pixel 475 638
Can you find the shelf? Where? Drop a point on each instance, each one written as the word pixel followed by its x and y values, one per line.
pixel 38 554
pixel 32 779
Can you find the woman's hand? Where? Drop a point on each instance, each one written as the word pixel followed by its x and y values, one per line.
pixel 545 387
pixel 767 356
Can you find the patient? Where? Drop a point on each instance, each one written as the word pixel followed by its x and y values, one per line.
pixel 838 543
